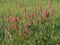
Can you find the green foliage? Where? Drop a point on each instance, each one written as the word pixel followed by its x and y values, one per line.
pixel 41 31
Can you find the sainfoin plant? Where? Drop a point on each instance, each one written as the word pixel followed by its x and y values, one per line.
pixel 30 24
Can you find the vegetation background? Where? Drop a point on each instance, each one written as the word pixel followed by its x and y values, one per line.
pixel 19 27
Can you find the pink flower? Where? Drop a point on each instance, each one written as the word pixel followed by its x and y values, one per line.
pixel 44 12
pixel 20 33
pixel 24 25
pixel 13 18
pixel 24 16
pixel 26 31
pixel 19 5
pixel 33 14
pixel 49 4
pixel 51 11
pixel 15 26
pixel 6 18
pixel 9 27
pixel 18 19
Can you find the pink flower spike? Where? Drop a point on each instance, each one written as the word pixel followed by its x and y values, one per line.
pixel 18 19
pixel 44 12
pixel 13 18
pixel 26 31
pixel 24 16
pixel 6 18
pixel 19 5
pixel 33 14
pixel 9 27
pixel 35 22
pixel 15 26
pixel 51 11
pixel 49 4
pixel 20 33
pixel 24 25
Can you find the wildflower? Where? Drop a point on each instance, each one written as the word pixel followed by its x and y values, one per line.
pixel 13 18
pixel 24 16
pixel 44 12
pixel 51 11
pixel 6 18
pixel 9 27
pixel 15 26
pixel 33 14
pixel 19 5
pixel 20 33
pixel 26 30
pixel 18 19
pixel 24 25
pixel 49 4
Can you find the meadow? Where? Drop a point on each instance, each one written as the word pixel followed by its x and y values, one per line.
pixel 29 22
